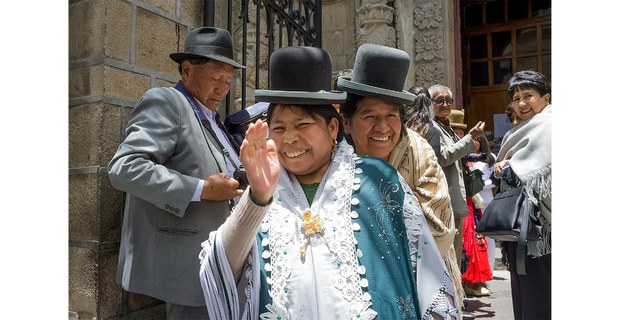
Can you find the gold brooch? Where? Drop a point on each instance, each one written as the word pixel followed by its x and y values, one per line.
pixel 312 225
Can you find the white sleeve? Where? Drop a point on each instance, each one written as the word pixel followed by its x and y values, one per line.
pixel 198 191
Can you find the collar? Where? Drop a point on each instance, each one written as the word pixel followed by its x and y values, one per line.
pixel 208 112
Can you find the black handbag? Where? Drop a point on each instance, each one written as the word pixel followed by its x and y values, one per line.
pixel 510 216
pixel 473 181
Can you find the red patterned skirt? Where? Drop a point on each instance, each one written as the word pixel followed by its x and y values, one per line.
pixel 478 269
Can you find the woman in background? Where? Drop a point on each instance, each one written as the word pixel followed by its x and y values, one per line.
pixel 481 249
pixel 418 116
pixel 486 164
pixel 525 160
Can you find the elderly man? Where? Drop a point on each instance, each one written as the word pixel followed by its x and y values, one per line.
pixel 176 164
pixel 452 149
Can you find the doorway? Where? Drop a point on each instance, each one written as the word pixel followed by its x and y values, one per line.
pixel 499 38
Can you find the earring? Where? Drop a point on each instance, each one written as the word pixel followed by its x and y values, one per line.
pixel 334 147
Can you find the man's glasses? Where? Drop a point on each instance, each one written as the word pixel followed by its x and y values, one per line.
pixel 441 101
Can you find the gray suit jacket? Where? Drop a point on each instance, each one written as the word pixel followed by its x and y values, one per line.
pixel 449 159
pixel 159 164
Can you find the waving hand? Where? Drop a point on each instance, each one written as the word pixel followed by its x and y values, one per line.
pixel 260 159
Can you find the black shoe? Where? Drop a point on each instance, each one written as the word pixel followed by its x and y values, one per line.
pixel 468 315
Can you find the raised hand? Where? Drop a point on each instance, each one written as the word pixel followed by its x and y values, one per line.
pixel 260 160
pixel 477 131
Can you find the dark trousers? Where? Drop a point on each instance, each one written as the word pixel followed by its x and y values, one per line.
pixel 531 293
pixel 458 240
pixel 180 312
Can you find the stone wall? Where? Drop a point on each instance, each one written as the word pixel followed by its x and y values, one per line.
pixel 118 49
pixel 422 28
pixel 339 31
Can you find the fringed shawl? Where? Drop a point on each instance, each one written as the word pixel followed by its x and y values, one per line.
pixel 528 149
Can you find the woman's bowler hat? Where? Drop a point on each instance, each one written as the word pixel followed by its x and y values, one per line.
pixel 300 75
pixel 379 72
pixel 208 42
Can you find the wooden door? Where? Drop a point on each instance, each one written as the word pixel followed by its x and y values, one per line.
pixel 500 37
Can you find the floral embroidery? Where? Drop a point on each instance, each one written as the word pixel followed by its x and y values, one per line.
pixel 363 311
pixel 406 306
pixel 385 210
pixel 413 222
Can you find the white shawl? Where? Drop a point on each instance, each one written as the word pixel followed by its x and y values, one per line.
pixel 528 149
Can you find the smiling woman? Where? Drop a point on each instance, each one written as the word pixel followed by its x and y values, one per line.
pixel 372 113
pixel 305 137
pixel 373 123
pixel 525 160
pixel 530 93
pixel 377 127
pixel 321 233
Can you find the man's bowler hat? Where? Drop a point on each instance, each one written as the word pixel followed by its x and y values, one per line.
pixel 208 42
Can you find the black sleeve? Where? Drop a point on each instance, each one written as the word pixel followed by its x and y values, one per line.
pixel 432 136
pixel 508 176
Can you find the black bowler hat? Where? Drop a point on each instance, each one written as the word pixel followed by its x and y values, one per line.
pixel 379 72
pixel 300 75
pixel 208 42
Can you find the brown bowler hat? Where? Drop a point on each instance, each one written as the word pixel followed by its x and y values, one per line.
pixel 457 117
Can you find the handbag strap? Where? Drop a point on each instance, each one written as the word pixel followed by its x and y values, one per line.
pixel 522 242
